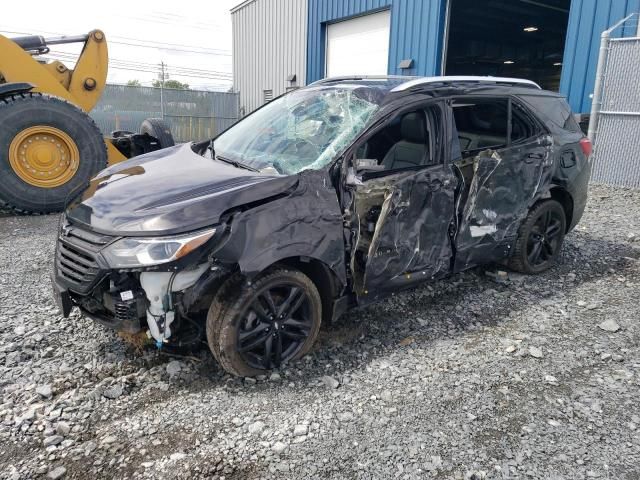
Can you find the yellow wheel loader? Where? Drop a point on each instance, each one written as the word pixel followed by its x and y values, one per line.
pixel 49 145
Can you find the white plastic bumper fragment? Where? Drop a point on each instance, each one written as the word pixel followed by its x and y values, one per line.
pixel 156 286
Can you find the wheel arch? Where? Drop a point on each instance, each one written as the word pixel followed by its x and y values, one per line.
pixel 329 285
pixel 326 281
pixel 564 198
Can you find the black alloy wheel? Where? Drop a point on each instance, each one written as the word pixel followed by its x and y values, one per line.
pixel 263 324
pixel 274 326
pixel 545 238
pixel 540 238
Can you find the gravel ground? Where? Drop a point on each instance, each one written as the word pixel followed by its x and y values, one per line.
pixel 484 375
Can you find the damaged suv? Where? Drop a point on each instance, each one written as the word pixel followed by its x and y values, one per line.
pixel 329 197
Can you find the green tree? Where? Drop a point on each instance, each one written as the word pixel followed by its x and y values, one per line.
pixel 134 83
pixel 172 84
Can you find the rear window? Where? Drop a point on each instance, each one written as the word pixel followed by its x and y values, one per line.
pixel 554 110
pixel 481 123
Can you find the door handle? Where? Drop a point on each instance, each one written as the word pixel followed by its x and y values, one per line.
pixel 568 159
pixel 533 156
pixel 436 185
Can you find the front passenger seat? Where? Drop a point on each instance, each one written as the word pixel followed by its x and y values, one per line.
pixel 412 150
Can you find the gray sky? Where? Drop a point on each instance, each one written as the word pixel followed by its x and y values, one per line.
pixel 193 38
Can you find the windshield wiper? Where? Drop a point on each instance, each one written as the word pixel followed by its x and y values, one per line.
pixel 235 163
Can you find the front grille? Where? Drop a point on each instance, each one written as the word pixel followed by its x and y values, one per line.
pixel 126 311
pixel 76 257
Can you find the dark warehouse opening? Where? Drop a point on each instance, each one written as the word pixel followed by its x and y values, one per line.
pixel 509 38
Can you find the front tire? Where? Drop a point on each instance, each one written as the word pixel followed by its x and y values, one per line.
pixel 255 327
pixel 540 238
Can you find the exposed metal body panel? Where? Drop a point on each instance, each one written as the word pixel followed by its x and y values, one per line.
pixel 587 20
pixel 269 42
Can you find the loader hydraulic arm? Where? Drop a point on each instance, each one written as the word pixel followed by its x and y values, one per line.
pixel 81 86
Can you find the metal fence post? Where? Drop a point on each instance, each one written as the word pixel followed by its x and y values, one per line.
pixel 596 101
pixel 614 128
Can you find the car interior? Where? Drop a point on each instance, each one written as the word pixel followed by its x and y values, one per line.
pixel 483 124
pixel 405 143
pixel 408 142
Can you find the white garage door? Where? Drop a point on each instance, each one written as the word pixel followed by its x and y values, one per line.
pixel 359 46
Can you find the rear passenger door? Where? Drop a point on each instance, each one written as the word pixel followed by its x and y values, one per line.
pixel 504 160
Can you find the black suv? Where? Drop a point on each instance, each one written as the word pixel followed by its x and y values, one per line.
pixel 329 197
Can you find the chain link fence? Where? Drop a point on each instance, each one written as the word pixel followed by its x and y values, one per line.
pixel 615 119
pixel 191 114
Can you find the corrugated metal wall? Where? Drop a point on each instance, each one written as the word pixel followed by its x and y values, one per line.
pixel 191 114
pixel 587 20
pixel 270 38
pixel 416 32
pixel 269 42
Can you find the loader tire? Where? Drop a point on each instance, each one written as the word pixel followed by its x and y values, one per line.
pixel 49 150
pixel 159 129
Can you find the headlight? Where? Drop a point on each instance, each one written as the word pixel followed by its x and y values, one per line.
pixel 139 251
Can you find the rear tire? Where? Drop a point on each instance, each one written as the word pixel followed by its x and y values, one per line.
pixel 245 334
pixel 19 113
pixel 540 238
pixel 159 129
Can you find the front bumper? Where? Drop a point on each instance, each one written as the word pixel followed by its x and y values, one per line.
pixel 61 297
pixel 127 300
pixel 117 315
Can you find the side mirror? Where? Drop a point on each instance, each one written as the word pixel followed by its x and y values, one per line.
pixel 362 166
pixel 368 165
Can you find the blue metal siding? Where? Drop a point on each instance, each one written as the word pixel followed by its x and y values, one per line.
pixel 587 20
pixel 415 32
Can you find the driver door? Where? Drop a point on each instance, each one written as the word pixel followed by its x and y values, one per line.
pixel 404 202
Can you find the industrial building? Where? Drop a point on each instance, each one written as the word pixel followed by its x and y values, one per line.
pixel 283 44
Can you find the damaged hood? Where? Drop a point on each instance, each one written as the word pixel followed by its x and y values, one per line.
pixel 170 191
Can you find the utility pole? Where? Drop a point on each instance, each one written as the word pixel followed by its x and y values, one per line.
pixel 162 79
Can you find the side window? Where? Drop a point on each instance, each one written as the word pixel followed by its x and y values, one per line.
pixel 522 127
pixel 410 140
pixel 481 123
pixel 555 110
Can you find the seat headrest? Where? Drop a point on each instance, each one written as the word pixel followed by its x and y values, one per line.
pixel 413 128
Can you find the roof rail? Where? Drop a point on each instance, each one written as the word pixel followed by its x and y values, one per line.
pixel 465 79
pixel 362 77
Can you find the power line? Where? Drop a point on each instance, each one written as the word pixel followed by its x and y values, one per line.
pixel 174 49
pixel 152 68
pixel 177 70
pixel 168 21
pixel 134 42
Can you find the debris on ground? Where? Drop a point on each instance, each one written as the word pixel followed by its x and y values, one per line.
pixel 478 376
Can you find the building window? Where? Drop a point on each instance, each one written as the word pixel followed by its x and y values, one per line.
pixel 267 95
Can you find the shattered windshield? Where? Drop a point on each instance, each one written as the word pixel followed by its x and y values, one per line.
pixel 302 130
